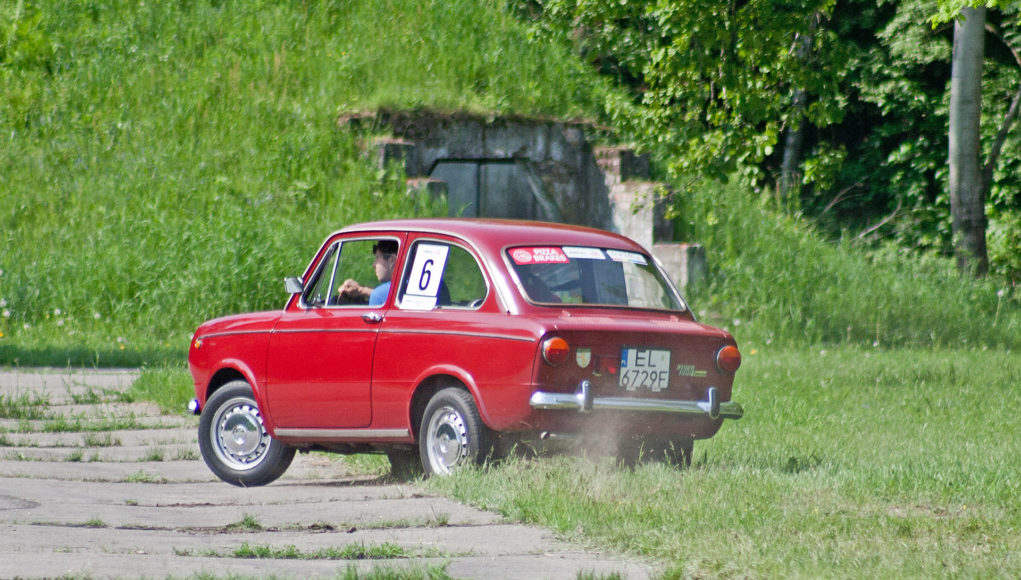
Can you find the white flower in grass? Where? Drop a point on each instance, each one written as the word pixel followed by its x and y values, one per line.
pixel 7 314
pixel 97 316
pixel 57 312
pixel 3 302
pixel 60 322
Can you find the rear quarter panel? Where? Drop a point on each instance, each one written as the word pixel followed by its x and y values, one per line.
pixel 492 354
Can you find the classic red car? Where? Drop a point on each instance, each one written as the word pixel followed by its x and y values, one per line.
pixel 438 341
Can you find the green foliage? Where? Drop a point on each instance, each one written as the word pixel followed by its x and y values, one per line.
pixel 712 82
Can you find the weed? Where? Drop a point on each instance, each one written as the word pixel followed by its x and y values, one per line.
pixel 100 440
pixel 26 406
pixel 358 551
pixel 248 523
pixel 141 476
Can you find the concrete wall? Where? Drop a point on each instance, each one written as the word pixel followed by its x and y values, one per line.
pixel 530 168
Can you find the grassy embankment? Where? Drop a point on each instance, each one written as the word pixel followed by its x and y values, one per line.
pixel 162 163
pixel 165 162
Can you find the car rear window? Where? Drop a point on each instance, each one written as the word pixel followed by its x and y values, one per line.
pixel 592 276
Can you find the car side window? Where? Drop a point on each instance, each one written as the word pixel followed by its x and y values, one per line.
pixel 442 275
pixel 349 274
pixel 318 292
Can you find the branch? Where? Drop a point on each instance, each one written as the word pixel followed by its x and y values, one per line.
pixel 841 197
pixel 1008 120
pixel 880 224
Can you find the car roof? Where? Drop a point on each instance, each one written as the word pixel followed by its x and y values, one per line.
pixel 497 234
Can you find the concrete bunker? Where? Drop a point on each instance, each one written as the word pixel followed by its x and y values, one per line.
pixel 526 168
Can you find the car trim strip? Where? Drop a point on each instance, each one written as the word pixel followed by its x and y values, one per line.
pixel 460 333
pixel 344 433
pixel 231 333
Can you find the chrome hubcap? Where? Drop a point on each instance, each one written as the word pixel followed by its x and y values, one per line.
pixel 239 437
pixel 447 440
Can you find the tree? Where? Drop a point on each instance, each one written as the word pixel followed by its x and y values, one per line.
pixel 967 185
pixel 716 85
pixel 970 182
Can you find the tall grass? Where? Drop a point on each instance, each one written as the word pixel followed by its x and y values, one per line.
pixel 164 162
pixel 775 282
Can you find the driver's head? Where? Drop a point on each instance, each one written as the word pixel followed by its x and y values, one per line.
pixel 386 256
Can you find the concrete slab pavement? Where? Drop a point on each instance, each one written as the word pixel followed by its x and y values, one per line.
pixel 105 506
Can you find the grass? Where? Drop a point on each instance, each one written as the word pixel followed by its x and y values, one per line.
pixel 25 406
pixel 164 163
pixel 775 282
pixel 848 463
pixel 360 551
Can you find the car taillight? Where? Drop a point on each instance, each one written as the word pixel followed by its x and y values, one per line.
pixel 555 350
pixel 728 359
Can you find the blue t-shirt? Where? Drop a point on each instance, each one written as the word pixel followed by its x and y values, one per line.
pixel 378 296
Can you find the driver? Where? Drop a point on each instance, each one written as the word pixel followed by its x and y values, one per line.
pixel 386 257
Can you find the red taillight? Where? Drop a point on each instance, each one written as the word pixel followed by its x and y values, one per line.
pixel 555 350
pixel 728 359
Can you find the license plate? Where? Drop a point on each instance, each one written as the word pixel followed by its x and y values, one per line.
pixel 642 368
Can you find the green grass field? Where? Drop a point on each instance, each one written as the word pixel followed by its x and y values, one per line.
pixel 848 463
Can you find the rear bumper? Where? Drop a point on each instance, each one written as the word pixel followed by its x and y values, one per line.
pixel 583 401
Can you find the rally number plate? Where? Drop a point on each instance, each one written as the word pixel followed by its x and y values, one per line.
pixel 642 368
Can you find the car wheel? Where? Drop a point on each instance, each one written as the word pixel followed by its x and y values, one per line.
pixel 452 433
pixel 234 441
pixel 405 464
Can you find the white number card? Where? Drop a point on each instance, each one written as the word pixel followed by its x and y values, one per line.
pixel 424 278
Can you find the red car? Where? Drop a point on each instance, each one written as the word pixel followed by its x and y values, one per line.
pixel 440 341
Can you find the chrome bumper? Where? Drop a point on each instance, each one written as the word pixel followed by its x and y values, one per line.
pixel 583 401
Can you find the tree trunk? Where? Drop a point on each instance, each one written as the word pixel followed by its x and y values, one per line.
pixel 967 187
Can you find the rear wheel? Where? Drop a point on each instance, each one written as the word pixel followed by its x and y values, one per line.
pixel 234 441
pixel 452 433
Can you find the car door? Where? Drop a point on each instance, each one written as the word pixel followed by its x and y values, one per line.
pixel 319 369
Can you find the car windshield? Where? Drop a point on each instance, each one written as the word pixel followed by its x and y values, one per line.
pixel 592 276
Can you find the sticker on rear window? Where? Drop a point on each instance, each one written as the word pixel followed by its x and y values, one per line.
pixel 584 253
pixel 522 256
pixel 424 279
pixel 633 257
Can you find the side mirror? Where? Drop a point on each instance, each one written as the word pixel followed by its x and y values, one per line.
pixel 294 285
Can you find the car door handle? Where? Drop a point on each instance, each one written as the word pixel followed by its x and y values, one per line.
pixel 372 317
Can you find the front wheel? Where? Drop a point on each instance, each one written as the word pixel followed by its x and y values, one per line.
pixel 234 442
pixel 452 433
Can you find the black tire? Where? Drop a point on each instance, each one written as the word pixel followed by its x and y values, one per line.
pixel 452 433
pixel 405 464
pixel 234 441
